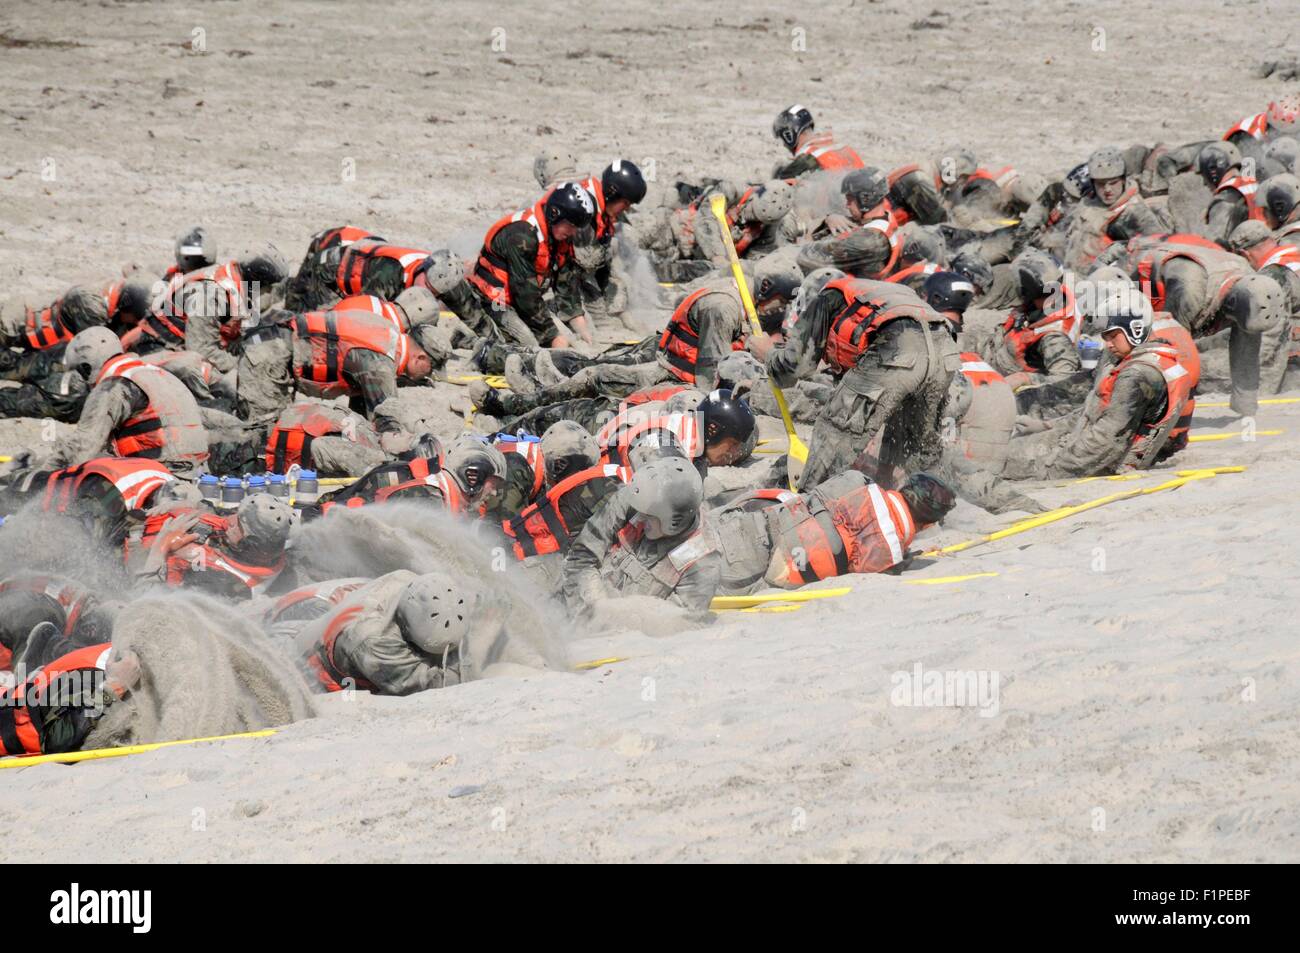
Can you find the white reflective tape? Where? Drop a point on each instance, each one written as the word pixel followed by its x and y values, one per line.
pixel 976 367
pixel 1173 373
pixel 885 520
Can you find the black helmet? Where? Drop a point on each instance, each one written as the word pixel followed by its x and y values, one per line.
pixel 1281 195
pixel 1215 160
pixel 1078 182
pixel 134 299
pixel 974 269
pixel 267 267
pixel 622 180
pixel 569 202
pixel 948 291
pixel 724 416
pixel 195 249
pixel 790 124
pixel 777 285
pixel 928 497
pixel 1127 310
pixel 1037 275
pixel 867 186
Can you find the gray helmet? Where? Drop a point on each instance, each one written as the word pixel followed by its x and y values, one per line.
pixel 1283 150
pixel 443 270
pixel 772 203
pixel 954 163
pixel 262 523
pixel 553 167
pixel 1037 273
pixel 195 249
pixel 668 489
pixel 91 349
pixel 433 613
pixel 134 298
pixel 419 305
pixel 1248 234
pixel 472 462
pixel 1105 281
pixel 1281 196
pixel 267 267
pixel 1256 303
pixel 567 447
pixel 975 268
pixel 83 308
pixel 1214 161
pixel 1106 163
pixel 867 186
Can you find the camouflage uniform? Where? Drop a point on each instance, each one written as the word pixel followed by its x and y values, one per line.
pixel 590 574
pixel 60 396
pixel 895 393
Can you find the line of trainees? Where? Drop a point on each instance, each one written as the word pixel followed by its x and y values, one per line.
pixel 198 396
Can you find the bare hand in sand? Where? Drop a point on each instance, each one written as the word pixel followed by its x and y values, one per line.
pixel 123 674
pixel 176 534
pixel 839 224
pixel 760 345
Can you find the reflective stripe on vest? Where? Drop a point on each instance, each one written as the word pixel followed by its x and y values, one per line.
pixel 18 733
pixel 490 275
pixel 540 528
pixel 977 371
pixel 350 278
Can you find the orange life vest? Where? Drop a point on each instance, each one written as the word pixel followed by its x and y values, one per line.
pixel 662 578
pixel 490 275
pixel 540 527
pixel 920 269
pixel 652 394
pixel 828 155
pixel 867 530
pixel 313 601
pixel 406 476
pixel 290 440
pixel 531 451
pixel 1150 253
pixel 1247 188
pixel 1270 253
pixel 321 659
pixel 1004 178
pixel 742 236
pixel 977 371
pixel 1254 126
pixel 203 556
pixel 45 328
pixel 344 235
pixel 1180 397
pixel 134 479
pixel 679 344
pixel 170 421
pixel 19 734
pixel 70 596
pixel 1019 336
pixel 332 334
pixel 620 434
pixel 373 304
pixel 869 305
pixel 350 278
pixel 604 226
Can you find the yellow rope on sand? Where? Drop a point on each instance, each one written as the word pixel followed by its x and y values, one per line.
pixel 97 754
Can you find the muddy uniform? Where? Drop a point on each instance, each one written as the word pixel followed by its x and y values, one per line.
pixel 504 295
pixel 28 599
pixel 1232 204
pixel 40 329
pixel 213 303
pixel 869 251
pixel 321 437
pixel 1192 279
pixel 1094 226
pixel 55 708
pixel 895 360
pixel 1037 342
pixel 845 525
pixel 1138 414
pixel 613 556
pixel 359 645
pixel 137 410
pixel 1281 262
pixel 752 239
pixel 816 152
pixel 316 282
pixel 323 354
pixel 60 395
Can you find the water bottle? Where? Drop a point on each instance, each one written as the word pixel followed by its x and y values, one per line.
pixel 209 488
pixel 232 492
pixel 278 486
pixel 256 484
pixel 1089 353
pixel 308 489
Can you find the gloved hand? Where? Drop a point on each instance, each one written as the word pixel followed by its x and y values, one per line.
pixel 176 533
